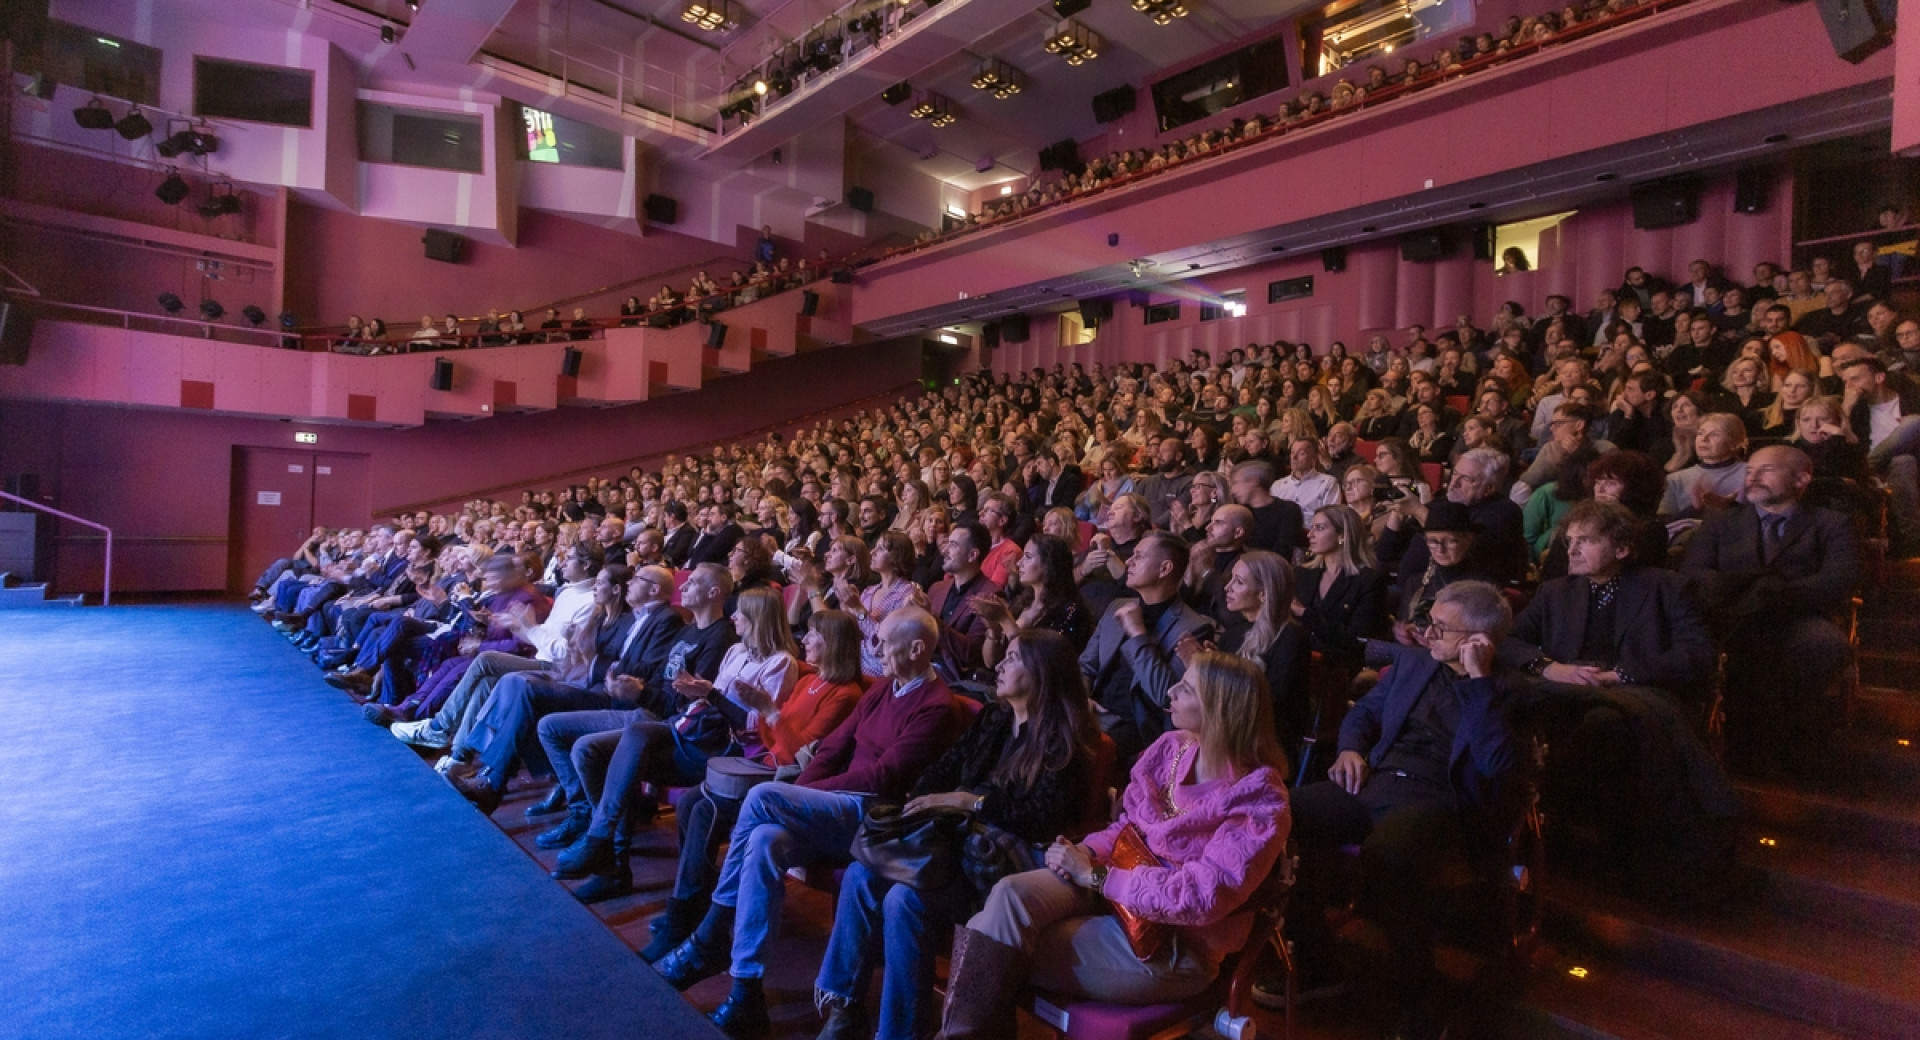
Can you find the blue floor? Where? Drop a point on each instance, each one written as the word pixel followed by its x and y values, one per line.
pixel 198 838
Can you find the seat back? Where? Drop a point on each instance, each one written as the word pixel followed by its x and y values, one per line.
pixel 1434 474
pixel 1331 687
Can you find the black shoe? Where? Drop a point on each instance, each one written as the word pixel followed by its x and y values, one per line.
pixel 589 855
pixel 332 660
pixel 579 818
pixel 478 790
pixel 672 928
pixel 847 1023
pixel 611 885
pixel 744 1015
pixel 352 682
pixel 703 955
pixel 379 714
pixel 555 801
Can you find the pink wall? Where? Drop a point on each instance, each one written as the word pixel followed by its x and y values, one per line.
pixel 1378 291
pixel 160 478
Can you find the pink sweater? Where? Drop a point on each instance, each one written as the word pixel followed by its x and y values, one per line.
pixel 1218 850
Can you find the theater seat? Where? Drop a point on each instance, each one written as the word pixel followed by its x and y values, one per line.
pixel 1083 537
pixel 1434 474
pixel 679 580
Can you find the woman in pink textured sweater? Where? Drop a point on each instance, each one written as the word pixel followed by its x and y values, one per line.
pixel 1209 799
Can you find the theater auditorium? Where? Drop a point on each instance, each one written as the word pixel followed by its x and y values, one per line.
pixel 978 519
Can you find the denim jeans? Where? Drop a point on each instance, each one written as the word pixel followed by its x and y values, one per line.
pixel 503 735
pixel 908 927
pixel 563 738
pixel 781 826
pixel 456 716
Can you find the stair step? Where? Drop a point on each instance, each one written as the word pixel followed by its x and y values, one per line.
pixel 1866 890
pixel 1887 823
pixel 1809 970
pixel 1615 1001
pixel 1887 711
pixel 21 597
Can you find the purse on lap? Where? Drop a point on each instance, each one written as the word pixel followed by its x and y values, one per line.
pixel 920 850
pixel 1130 851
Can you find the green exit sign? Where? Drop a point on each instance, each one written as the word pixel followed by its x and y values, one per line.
pixel 306 438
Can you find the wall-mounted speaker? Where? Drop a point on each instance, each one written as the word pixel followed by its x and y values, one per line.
pixel 445 246
pixel 1015 329
pixel 660 209
pixel 1750 191
pixel 1333 259
pixel 1857 28
pixel 841 276
pixel 1423 247
pixel 809 303
pixel 16 333
pixel 442 374
pixel 1093 312
pixel 570 363
pixel 860 199
pixel 897 93
pixel 990 335
pixel 716 335
pixel 1069 8
pixel 1113 104
pixel 1665 204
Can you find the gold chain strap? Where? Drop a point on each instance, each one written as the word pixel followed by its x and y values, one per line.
pixel 1173 779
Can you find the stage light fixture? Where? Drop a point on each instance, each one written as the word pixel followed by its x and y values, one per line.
pixel 897 93
pixel 1161 11
pixel 287 320
pixel 254 315
pixel 94 115
pixel 134 125
pixel 211 310
pixel 998 78
pixel 171 303
pixel 1073 41
pixel 760 87
pixel 386 34
pixel 710 15
pixel 174 190
pixel 221 201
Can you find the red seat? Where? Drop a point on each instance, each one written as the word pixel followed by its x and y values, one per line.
pixel 679 579
pixel 1457 402
pixel 1434 474
pixel 1365 450
pixel 790 594
pixel 1084 537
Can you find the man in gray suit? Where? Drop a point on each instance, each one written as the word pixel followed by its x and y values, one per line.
pixel 1130 663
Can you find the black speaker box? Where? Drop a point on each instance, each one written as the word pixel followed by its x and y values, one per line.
pixel 1423 247
pixel 1015 329
pixel 570 363
pixel 16 333
pixel 660 209
pixel 1113 104
pixel 1664 204
pixel 1093 312
pixel 809 303
pixel 1857 28
pixel 841 276
pixel 716 335
pixel 1333 258
pixel 173 191
pixel 897 93
pixel 445 246
pixel 442 374
pixel 990 335
pixel 1069 8
pixel 1750 190
pixel 1482 237
pixel 860 199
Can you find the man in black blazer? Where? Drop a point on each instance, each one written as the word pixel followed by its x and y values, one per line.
pixel 718 535
pixel 1777 578
pixel 1051 483
pixel 1130 664
pixel 679 533
pixel 1499 546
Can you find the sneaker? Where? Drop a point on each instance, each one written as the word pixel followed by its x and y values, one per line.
pixel 421 734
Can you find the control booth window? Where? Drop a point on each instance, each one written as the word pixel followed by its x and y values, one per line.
pixel 1349 31
pixel 1220 84
pixel 1229 305
pixel 1162 312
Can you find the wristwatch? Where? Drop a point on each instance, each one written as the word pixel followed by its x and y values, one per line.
pixel 1099 877
pixel 1538 666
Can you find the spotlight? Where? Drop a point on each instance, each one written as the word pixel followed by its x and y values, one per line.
pixel 386 34
pixel 211 310
pixel 710 15
pixel 195 140
pixel 173 190
pixel 94 115
pixel 287 320
pixel 997 77
pixel 760 87
pixel 134 125
pixel 170 303
pixel 413 5
pixel 253 314
pixel 220 202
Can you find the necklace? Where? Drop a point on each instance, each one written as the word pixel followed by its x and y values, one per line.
pixel 1172 809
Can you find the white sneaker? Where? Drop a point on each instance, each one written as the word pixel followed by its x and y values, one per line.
pixel 450 767
pixel 419 734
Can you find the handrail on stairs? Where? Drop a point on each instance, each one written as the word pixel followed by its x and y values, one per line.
pixel 106 585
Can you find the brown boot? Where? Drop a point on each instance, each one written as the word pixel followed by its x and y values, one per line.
pixel 982 982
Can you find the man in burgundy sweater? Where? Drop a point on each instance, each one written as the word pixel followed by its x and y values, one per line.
pixel 901 725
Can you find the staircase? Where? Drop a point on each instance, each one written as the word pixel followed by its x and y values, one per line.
pixel 1823 940
pixel 24 597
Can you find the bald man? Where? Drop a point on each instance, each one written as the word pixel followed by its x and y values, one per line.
pixel 1214 557
pixel 1776 578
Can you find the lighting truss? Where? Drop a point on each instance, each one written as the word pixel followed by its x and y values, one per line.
pixel 1073 41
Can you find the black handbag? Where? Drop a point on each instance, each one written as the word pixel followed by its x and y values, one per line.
pixel 920 850
pixel 991 853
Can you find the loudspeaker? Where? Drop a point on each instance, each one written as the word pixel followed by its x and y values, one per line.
pixel 1857 28
pixel 1093 312
pixel 1482 237
pixel 1423 247
pixel 1664 204
pixel 1015 329
pixel 445 246
pixel 860 199
pixel 716 335
pixel 897 93
pixel 16 333
pixel 1061 155
pixel 570 363
pixel 1333 258
pixel 660 209
pixel 1111 105
pixel 990 335
pixel 1750 190
pixel 809 303
pixel 841 276
pixel 1069 8
pixel 172 191
pixel 442 374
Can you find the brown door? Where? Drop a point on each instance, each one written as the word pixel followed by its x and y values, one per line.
pixel 279 496
pixel 340 491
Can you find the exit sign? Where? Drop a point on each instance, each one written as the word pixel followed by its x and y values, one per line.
pixel 306 438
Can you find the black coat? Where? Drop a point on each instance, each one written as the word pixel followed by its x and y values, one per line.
pixel 1659 638
pixel 1815 571
pixel 1051 806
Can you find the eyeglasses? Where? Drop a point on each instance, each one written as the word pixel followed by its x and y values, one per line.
pixel 1436 629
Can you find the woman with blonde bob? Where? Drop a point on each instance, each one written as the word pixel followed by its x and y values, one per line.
pixel 1208 799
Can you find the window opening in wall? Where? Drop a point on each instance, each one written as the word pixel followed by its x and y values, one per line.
pixel 1290 289
pixel 96 62
pixel 548 138
pixel 1230 305
pixel 1074 331
pixel 272 94
pixel 1220 84
pixel 422 137
pixel 1347 31
pixel 1163 312
pixel 1524 235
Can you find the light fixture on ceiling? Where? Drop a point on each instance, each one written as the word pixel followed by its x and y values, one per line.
pixel 710 15
pixel 1161 11
pixel 1072 41
pixel 998 78
pixel 933 108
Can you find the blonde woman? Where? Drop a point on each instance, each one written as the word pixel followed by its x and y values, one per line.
pixel 1342 593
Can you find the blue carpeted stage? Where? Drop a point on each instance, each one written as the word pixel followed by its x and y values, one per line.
pixel 198 838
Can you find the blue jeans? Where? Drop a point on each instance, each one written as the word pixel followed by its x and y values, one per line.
pixel 504 734
pixel 563 740
pixel 781 826
pixel 908 927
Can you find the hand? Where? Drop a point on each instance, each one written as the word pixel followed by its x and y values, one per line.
pixel 469 645
pixel 1070 863
pixel 1096 559
pixel 917 596
pixel 1406 634
pixel 1188 646
pixel 624 687
pixel 1132 621
pixel 753 696
pixel 1476 654
pixel 848 595
pixel 691 686
pixel 950 800
pixel 993 610
pixel 1573 674
pixel 1349 770
pixel 1176 515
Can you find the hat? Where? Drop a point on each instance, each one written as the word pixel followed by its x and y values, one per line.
pixel 1448 515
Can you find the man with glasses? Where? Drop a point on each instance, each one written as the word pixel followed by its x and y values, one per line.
pixel 1479 483
pixel 1566 440
pixel 1427 774
pixel 1449 536
pixel 997 512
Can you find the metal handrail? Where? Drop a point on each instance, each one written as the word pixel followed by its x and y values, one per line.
pixel 106 585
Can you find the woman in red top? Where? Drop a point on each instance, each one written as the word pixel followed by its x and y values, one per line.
pixel 830 685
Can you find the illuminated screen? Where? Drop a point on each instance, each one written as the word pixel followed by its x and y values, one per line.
pixel 542 144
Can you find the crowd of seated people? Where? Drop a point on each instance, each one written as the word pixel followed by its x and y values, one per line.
pixel 1518 36
pixel 1007 596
